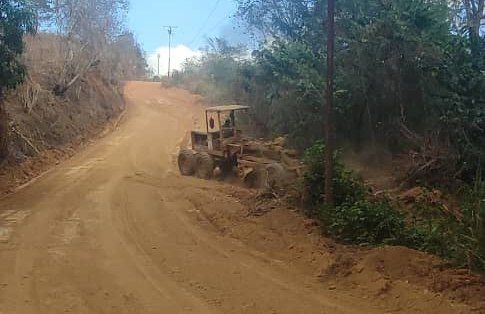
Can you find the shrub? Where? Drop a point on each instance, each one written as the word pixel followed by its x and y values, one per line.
pixel 442 236
pixel 347 187
pixel 471 239
pixel 364 222
pixel 359 218
pixel 354 219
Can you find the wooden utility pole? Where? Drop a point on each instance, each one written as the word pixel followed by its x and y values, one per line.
pixel 158 68
pixel 170 32
pixel 328 109
pixel 3 128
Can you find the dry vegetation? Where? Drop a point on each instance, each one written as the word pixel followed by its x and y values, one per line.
pixel 73 74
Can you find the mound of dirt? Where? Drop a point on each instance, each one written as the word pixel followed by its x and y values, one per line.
pixel 393 272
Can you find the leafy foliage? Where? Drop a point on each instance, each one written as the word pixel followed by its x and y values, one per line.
pixel 355 218
pixel 459 239
pixel 472 239
pixel 15 20
pixel 217 74
pixel 348 189
pixel 365 222
pixel 405 80
pixel 360 218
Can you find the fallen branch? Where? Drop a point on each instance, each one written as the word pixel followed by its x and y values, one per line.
pixel 60 90
pixel 29 94
pixel 26 140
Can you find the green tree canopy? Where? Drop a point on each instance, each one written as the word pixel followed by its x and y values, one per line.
pixel 407 77
pixel 15 20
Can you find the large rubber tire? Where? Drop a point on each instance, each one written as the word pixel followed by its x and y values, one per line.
pixel 276 176
pixel 204 166
pixel 256 179
pixel 186 161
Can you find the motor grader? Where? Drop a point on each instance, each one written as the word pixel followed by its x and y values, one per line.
pixel 221 151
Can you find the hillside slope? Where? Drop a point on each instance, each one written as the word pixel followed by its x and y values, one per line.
pixel 44 123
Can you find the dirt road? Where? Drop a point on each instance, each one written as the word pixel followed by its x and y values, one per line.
pixel 117 230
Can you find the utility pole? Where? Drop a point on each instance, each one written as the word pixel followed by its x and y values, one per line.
pixel 328 109
pixel 158 71
pixel 170 32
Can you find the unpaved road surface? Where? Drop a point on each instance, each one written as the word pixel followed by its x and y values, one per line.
pixel 116 229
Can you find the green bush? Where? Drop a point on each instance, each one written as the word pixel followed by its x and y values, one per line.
pixel 354 219
pixel 442 236
pixel 347 187
pixel 471 224
pixel 359 218
pixel 17 19
pixel 365 222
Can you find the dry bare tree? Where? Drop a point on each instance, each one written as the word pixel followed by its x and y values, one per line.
pixel 90 34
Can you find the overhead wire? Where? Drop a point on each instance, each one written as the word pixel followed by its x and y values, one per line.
pixel 214 8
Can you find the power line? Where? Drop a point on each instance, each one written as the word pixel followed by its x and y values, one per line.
pixel 214 8
pixel 216 25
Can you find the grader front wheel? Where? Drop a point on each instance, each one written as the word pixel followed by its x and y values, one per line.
pixel 186 162
pixel 204 166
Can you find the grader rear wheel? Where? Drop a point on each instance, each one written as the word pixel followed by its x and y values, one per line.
pixel 261 176
pixel 186 162
pixel 254 177
pixel 204 166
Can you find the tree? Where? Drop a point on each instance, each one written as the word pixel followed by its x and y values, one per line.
pixel 328 111
pixel 475 12
pixel 127 59
pixel 16 19
pixel 469 17
pixel 405 78
pixel 89 31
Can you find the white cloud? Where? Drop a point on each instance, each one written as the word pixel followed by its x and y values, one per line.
pixel 179 54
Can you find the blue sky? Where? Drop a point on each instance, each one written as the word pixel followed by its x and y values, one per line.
pixel 196 21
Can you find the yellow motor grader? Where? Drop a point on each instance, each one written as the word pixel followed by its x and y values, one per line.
pixel 221 150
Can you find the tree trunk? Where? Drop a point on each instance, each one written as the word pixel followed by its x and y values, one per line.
pixel 475 44
pixel 328 110
pixel 481 230
pixel 474 15
pixel 3 129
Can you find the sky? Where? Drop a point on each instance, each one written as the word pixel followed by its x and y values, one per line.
pixel 196 20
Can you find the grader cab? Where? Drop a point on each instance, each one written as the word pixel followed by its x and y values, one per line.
pixel 220 123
